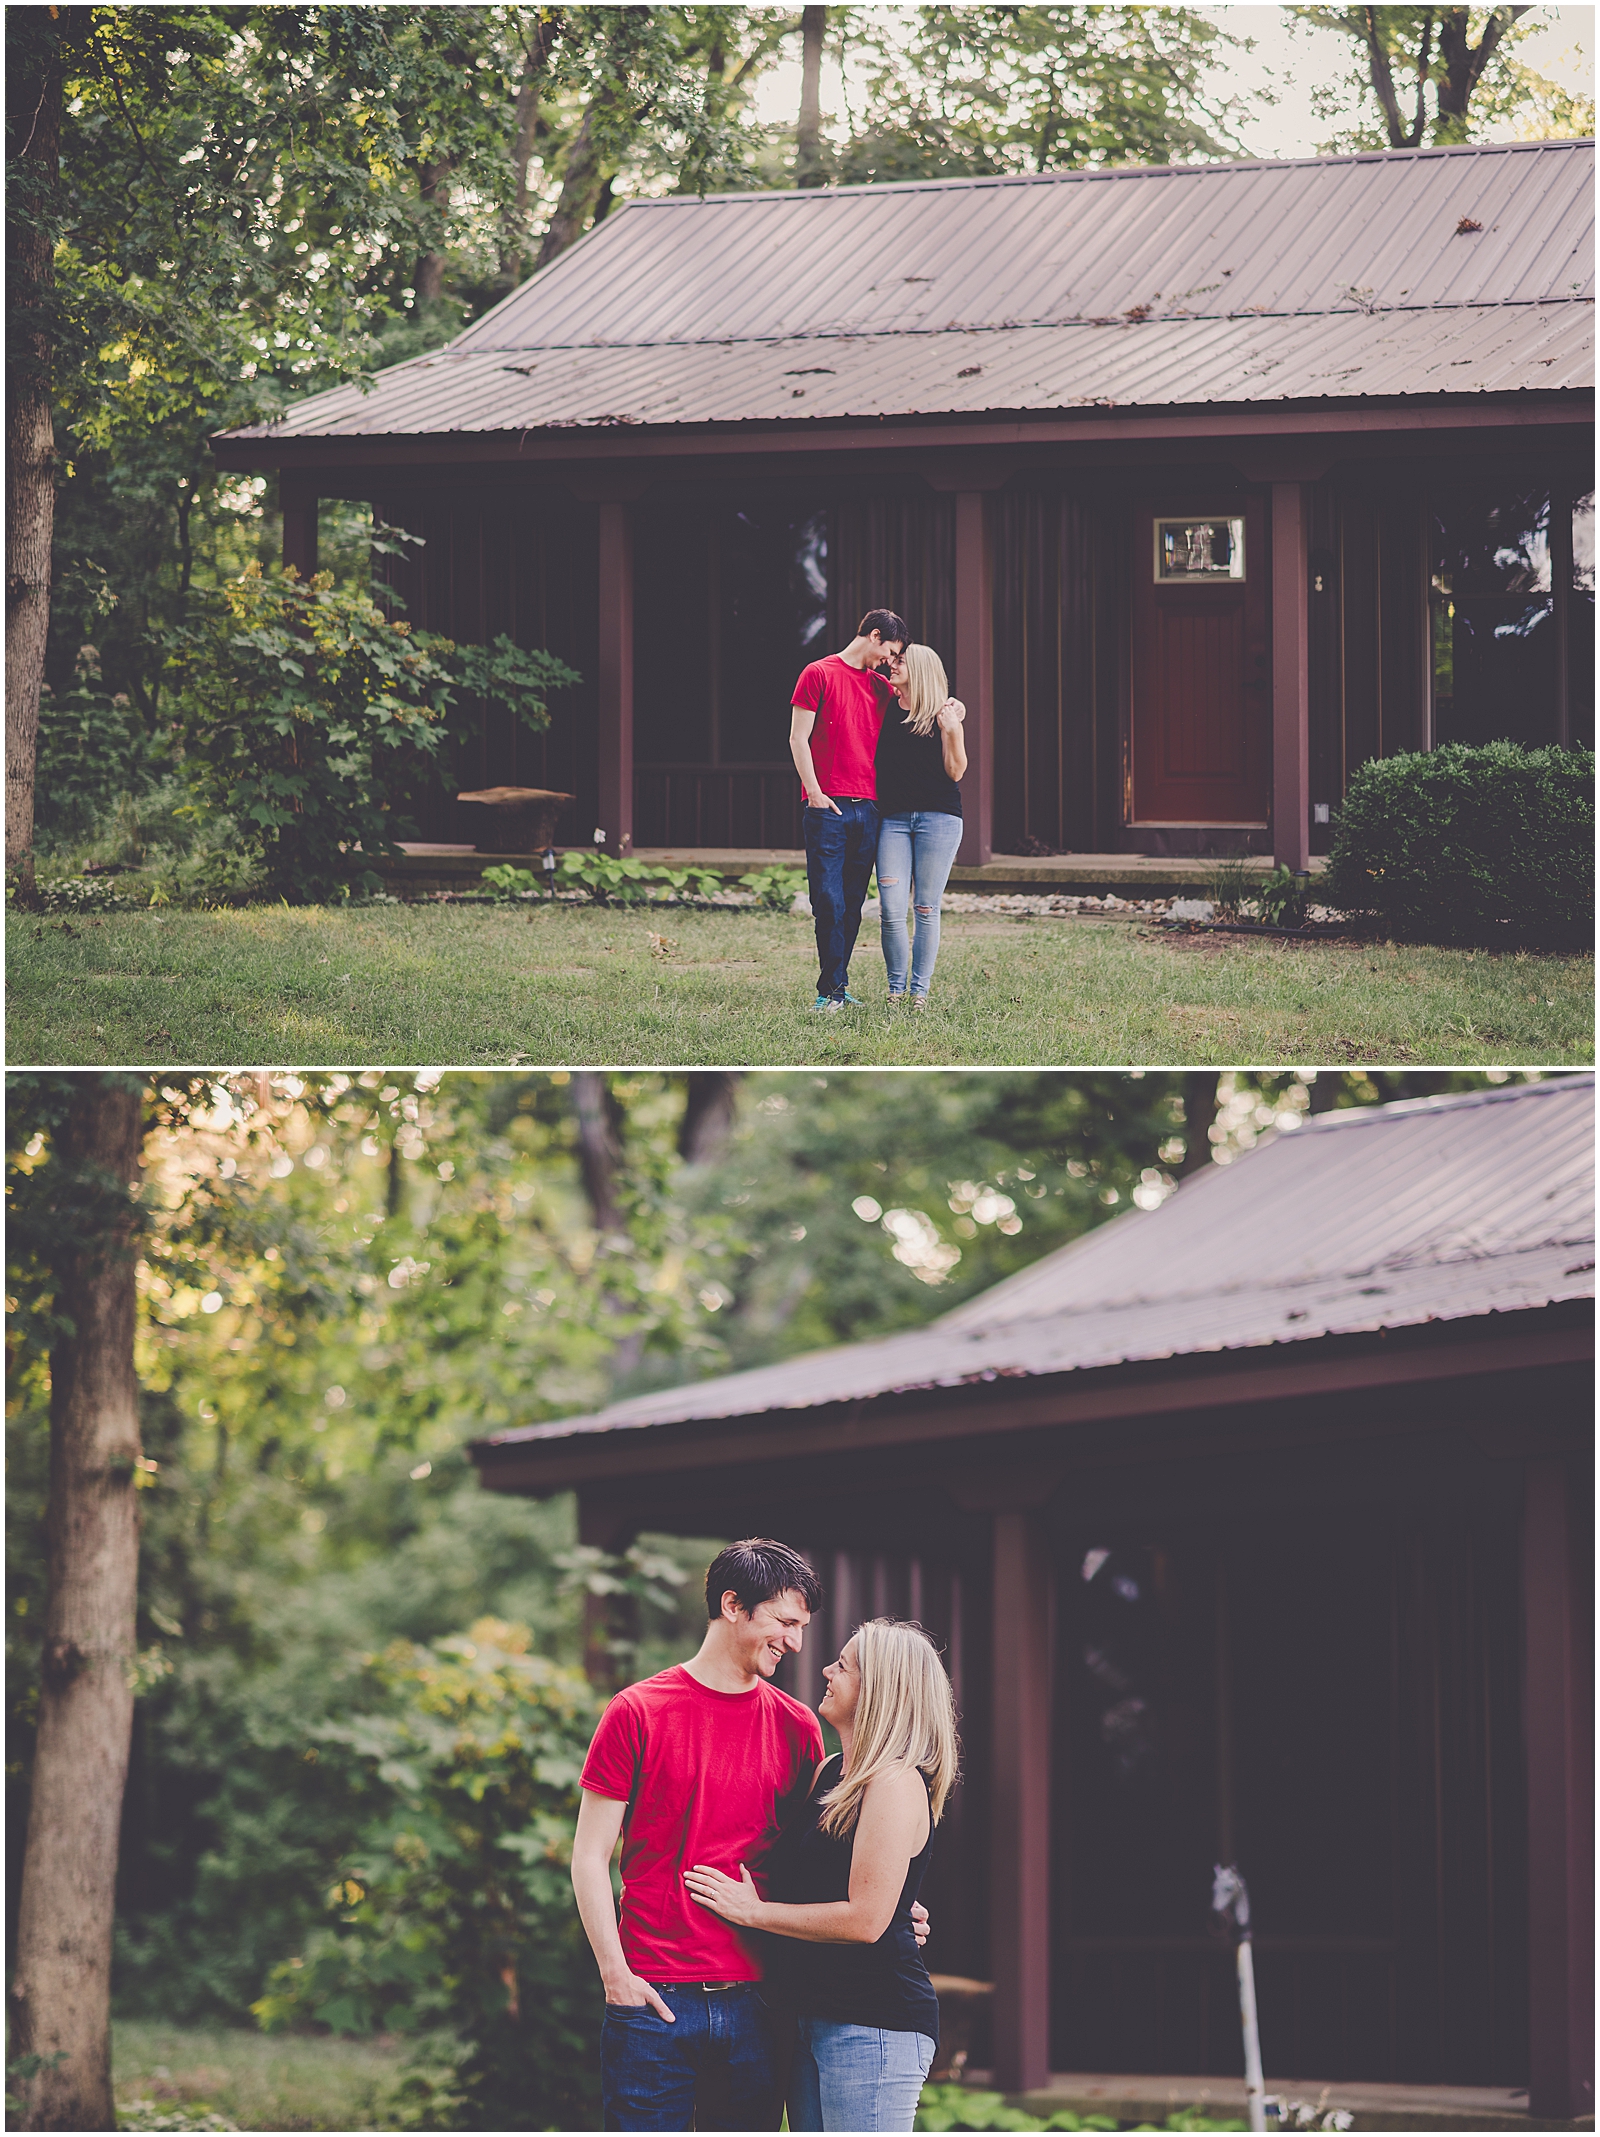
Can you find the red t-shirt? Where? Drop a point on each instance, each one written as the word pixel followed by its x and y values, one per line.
pixel 848 703
pixel 704 1775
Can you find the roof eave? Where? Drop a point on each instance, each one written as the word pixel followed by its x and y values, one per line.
pixel 1525 407
pixel 998 1408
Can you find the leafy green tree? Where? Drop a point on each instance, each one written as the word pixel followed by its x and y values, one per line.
pixel 308 712
pixel 1439 74
pixel 954 90
pixel 456 1894
pixel 212 208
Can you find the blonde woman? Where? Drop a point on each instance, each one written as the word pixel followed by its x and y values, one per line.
pixel 843 1877
pixel 920 758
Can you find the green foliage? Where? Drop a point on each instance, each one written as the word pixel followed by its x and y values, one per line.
pixel 975 89
pixel 457 1901
pixel 93 754
pixel 507 881
pixel 1281 898
pixel 1493 844
pixel 774 889
pixel 308 712
pixel 612 879
pixel 956 2107
pixel 1416 75
pixel 1228 884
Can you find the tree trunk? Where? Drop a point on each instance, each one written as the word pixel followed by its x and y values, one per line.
pixel 61 1993
pixel 1382 78
pixel 600 1123
pixel 514 222
pixel 33 130
pixel 429 277
pixel 1199 1111
pixel 580 188
pixel 709 1106
pixel 1463 64
pixel 808 169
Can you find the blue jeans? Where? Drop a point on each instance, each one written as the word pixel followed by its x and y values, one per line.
pixel 840 854
pixel 856 2077
pixel 712 2069
pixel 918 849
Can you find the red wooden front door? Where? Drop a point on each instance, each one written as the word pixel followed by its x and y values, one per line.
pixel 1202 713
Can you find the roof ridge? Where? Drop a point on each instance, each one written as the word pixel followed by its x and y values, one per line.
pixel 1209 166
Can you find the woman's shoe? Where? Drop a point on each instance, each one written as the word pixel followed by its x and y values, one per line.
pixel 918 1001
pixel 900 997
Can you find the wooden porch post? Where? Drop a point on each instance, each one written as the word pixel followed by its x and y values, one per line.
pixel 1556 1699
pixel 616 675
pixel 1291 679
pixel 974 672
pixel 1020 1934
pixel 299 509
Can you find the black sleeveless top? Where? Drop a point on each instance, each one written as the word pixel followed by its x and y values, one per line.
pixel 883 1984
pixel 910 769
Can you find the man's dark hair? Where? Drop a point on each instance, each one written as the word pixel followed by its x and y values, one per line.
pixel 887 625
pixel 757 1570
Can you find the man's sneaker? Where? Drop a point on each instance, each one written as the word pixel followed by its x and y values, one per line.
pixel 853 999
pixel 825 1005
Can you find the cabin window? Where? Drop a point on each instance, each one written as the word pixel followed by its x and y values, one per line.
pixel 1492 599
pixel 730 602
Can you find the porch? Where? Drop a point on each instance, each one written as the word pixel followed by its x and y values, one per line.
pixel 426 867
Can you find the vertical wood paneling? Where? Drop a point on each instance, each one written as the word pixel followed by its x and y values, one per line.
pixel 1046 750
pixel 1371 1699
pixel 524 566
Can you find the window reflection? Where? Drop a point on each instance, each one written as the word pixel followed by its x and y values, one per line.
pixel 1580 625
pixel 774 618
pixel 1493 626
pixel 730 602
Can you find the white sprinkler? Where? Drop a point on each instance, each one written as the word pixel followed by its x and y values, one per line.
pixel 1230 1900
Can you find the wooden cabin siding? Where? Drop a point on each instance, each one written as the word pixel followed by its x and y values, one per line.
pixel 714 675
pixel 1332 1698
pixel 523 565
pixel 1049 752
pixel 717 618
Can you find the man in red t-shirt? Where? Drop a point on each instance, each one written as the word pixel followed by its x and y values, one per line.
pixel 696 1765
pixel 833 737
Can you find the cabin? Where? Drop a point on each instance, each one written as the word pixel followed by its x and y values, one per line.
pixel 1208 482
pixel 1256 1528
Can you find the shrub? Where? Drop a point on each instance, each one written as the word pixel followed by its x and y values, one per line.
pixel 456 1908
pixel 1462 844
pixel 94 757
pixel 1281 898
pixel 309 713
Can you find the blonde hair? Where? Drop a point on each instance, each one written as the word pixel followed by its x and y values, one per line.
pixel 927 686
pixel 905 1716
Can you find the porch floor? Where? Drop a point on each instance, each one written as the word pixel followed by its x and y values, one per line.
pixel 443 867
pixel 1370 2106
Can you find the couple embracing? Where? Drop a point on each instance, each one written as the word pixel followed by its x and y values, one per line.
pixel 876 738
pixel 768 1953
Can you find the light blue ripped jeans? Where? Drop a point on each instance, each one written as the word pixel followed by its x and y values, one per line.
pixel 917 850
pixel 856 2077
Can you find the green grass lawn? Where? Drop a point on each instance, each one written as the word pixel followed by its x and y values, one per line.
pixel 584 985
pixel 288 2082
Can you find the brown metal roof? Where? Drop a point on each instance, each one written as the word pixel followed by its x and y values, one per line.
pixel 1337 277
pixel 1385 1217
